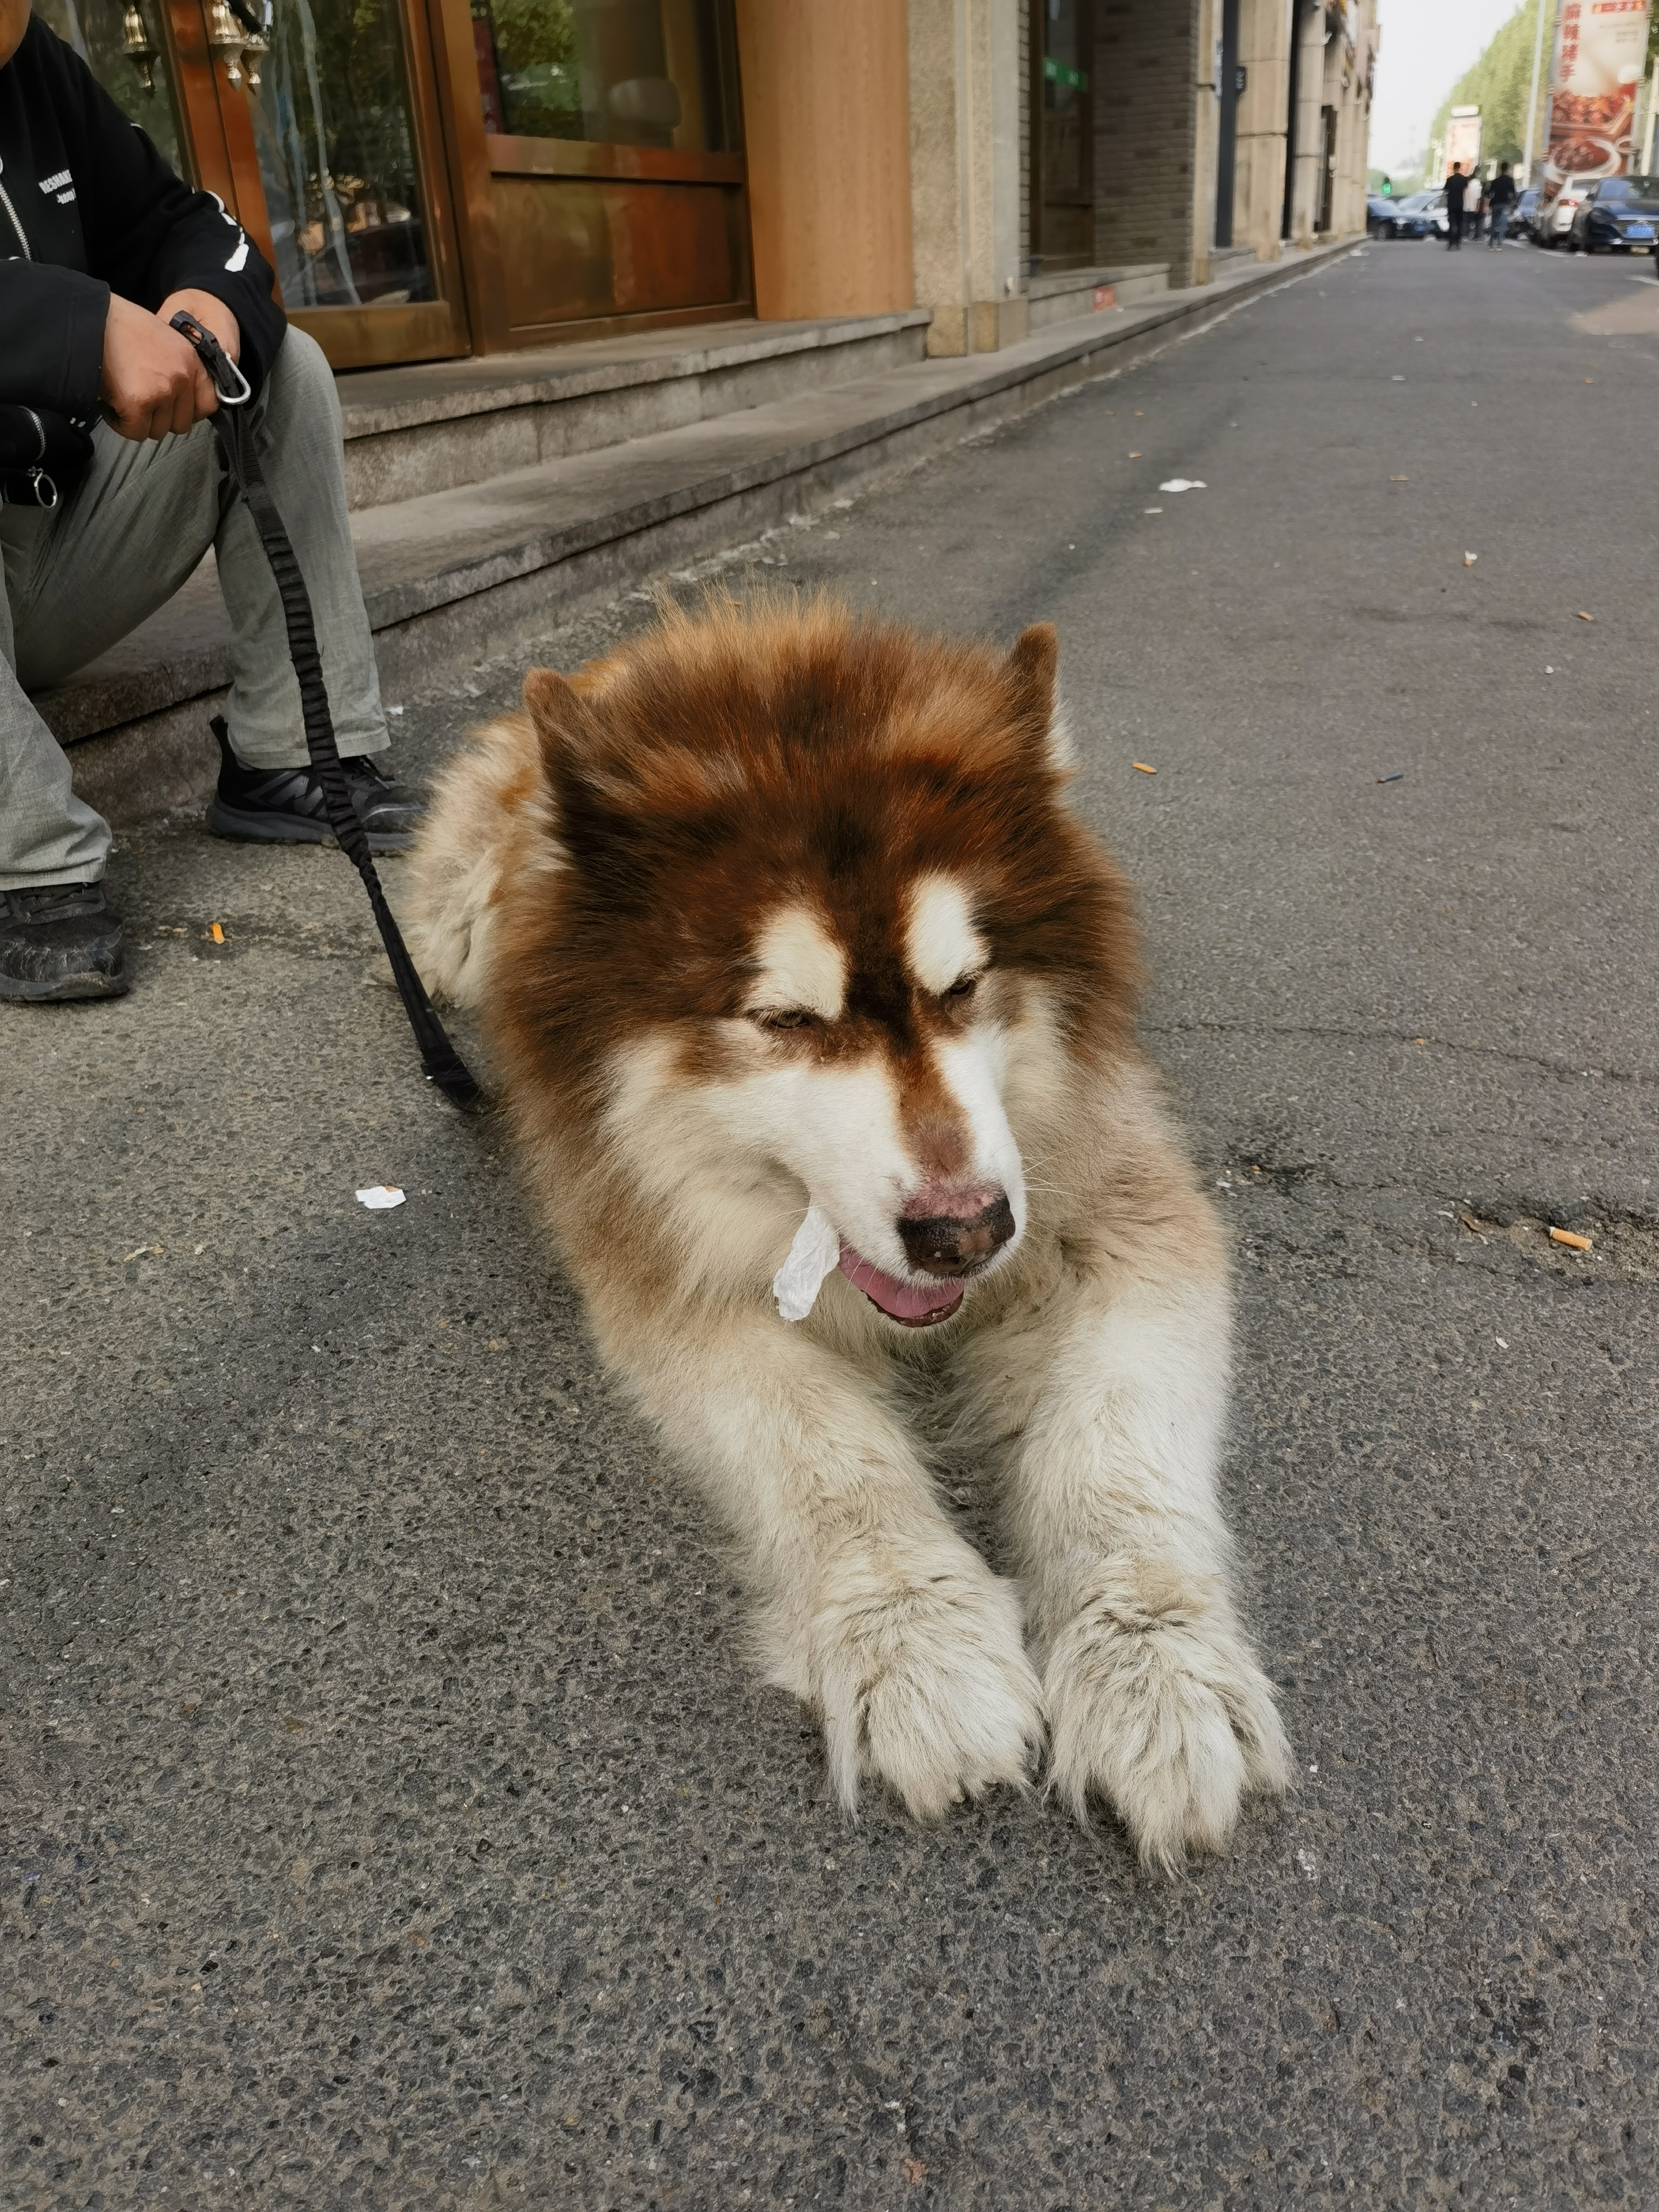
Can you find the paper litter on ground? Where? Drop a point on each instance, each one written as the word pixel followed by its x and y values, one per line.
pixel 815 1253
pixel 380 1196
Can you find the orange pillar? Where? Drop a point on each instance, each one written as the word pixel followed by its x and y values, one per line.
pixel 826 119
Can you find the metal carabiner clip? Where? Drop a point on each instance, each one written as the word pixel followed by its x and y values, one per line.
pixel 227 376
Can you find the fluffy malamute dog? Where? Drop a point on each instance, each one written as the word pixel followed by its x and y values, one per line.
pixel 811 997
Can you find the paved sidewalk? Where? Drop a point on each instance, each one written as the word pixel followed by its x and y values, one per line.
pixel 390 1819
pixel 453 577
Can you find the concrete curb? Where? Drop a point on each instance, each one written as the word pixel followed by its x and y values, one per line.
pixel 135 725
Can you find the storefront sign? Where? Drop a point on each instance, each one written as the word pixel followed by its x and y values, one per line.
pixel 1601 48
pixel 1463 140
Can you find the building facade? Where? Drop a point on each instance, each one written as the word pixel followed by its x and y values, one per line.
pixel 436 178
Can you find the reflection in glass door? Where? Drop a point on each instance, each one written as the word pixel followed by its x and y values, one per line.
pixel 337 153
pixel 1062 135
pixel 610 72
pixel 124 48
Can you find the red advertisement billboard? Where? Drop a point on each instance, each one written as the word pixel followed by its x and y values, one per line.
pixel 1601 49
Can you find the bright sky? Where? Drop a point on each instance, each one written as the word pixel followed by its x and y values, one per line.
pixel 1426 46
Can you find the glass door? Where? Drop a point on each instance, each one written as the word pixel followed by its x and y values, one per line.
pixel 349 151
pixel 317 121
pixel 1062 135
pixel 126 50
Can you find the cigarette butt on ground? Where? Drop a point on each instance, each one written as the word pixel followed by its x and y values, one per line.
pixel 1582 617
pixel 1571 1239
pixel 1399 479
pixel 216 934
pixel 1470 1224
pixel 1469 560
pixel 1142 766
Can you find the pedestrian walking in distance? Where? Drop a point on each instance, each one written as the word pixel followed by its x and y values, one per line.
pixel 1500 199
pixel 1474 206
pixel 1456 185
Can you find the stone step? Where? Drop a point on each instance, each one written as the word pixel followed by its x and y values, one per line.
pixel 443 423
pixel 1059 295
pixel 453 577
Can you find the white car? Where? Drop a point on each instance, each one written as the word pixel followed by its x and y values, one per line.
pixel 1554 221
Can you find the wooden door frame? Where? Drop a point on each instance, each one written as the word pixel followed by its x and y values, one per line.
pixel 477 157
pixel 218 131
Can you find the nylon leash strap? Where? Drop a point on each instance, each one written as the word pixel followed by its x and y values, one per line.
pixel 444 1065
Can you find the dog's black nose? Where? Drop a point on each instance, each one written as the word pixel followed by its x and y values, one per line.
pixel 952 1243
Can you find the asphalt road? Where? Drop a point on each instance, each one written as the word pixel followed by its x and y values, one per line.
pixel 389 1818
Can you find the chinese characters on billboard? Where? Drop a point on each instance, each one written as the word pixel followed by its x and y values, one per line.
pixel 1601 49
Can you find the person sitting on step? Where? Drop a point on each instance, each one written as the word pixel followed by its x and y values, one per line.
pixel 113 488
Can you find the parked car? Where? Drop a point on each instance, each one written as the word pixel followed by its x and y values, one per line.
pixel 1426 212
pixel 1555 221
pixel 1616 215
pixel 1523 221
pixel 1385 218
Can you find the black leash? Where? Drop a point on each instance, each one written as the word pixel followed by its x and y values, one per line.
pixel 444 1065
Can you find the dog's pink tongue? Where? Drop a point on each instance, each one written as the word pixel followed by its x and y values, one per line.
pixel 903 1301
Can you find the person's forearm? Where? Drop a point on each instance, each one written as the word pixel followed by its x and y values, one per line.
pixel 51 338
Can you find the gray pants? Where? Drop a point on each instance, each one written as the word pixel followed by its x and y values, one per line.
pixel 79 578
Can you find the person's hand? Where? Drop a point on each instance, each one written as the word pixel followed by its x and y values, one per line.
pixel 152 385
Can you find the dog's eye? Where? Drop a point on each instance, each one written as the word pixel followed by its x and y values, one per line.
pixel 964 987
pixel 789 1017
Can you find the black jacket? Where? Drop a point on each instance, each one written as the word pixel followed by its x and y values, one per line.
pixel 1456 187
pixel 86 207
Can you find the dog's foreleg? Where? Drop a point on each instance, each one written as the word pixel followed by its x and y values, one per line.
pixel 872 1609
pixel 1155 1700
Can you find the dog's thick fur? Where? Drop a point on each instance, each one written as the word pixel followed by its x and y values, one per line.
pixel 778 907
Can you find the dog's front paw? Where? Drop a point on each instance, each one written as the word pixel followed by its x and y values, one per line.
pixel 1156 1704
pixel 918 1667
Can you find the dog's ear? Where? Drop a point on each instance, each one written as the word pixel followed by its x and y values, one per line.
pixel 1029 671
pixel 575 759
pixel 565 726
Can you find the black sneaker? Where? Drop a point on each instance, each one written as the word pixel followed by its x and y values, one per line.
pixel 60 941
pixel 286 806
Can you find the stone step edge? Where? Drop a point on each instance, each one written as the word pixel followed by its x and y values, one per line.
pixel 498 383
pixel 160 756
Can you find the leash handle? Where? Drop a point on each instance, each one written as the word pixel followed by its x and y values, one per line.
pixel 228 382
pixel 444 1065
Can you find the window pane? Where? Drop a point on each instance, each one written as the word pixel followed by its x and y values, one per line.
pixel 612 72
pixel 1066 108
pixel 336 155
pixel 97 30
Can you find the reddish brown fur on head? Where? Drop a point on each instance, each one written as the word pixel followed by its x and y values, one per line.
pixel 713 768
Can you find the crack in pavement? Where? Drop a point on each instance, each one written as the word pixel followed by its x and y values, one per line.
pixel 1392 1037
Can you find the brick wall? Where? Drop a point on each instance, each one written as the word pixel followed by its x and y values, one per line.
pixel 1146 72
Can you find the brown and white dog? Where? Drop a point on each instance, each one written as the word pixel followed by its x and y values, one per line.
pixel 792 959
